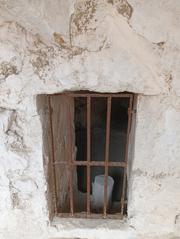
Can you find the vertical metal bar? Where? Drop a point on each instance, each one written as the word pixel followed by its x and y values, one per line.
pixel 53 156
pixel 71 166
pixel 126 153
pixel 88 153
pixel 108 122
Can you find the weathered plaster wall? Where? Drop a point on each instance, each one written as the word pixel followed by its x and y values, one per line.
pixel 102 45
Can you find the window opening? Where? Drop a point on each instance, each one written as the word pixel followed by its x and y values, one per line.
pixel 89 155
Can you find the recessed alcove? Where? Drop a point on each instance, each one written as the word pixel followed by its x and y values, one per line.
pixel 87 135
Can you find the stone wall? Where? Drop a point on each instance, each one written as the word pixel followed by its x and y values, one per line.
pixel 99 45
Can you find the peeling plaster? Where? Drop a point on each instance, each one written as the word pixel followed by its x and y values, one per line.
pixel 123 7
pixel 83 13
pixel 7 69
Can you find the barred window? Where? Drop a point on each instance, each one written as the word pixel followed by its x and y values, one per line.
pixel 89 148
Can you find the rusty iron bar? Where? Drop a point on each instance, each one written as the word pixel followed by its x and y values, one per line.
pixel 88 154
pixel 54 188
pixel 108 122
pixel 93 163
pixel 122 202
pixel 94 94
pixel 71 167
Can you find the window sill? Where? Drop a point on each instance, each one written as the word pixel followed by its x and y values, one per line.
pixel 95 224
pixel 72 228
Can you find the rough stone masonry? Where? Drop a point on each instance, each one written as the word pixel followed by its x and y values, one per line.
pixel 99 45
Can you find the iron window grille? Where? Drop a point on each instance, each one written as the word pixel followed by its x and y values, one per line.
pixel 72 163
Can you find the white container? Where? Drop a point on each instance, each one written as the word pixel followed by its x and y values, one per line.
pixel 98 191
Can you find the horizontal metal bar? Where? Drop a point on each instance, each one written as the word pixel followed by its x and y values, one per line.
pixel 74 94
pixel 100 95
pixel 92 215
pixel 92 163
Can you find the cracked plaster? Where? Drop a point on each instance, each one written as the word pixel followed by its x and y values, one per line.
pixel 101 45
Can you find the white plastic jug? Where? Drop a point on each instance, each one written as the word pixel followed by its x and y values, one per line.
pixel 98 191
